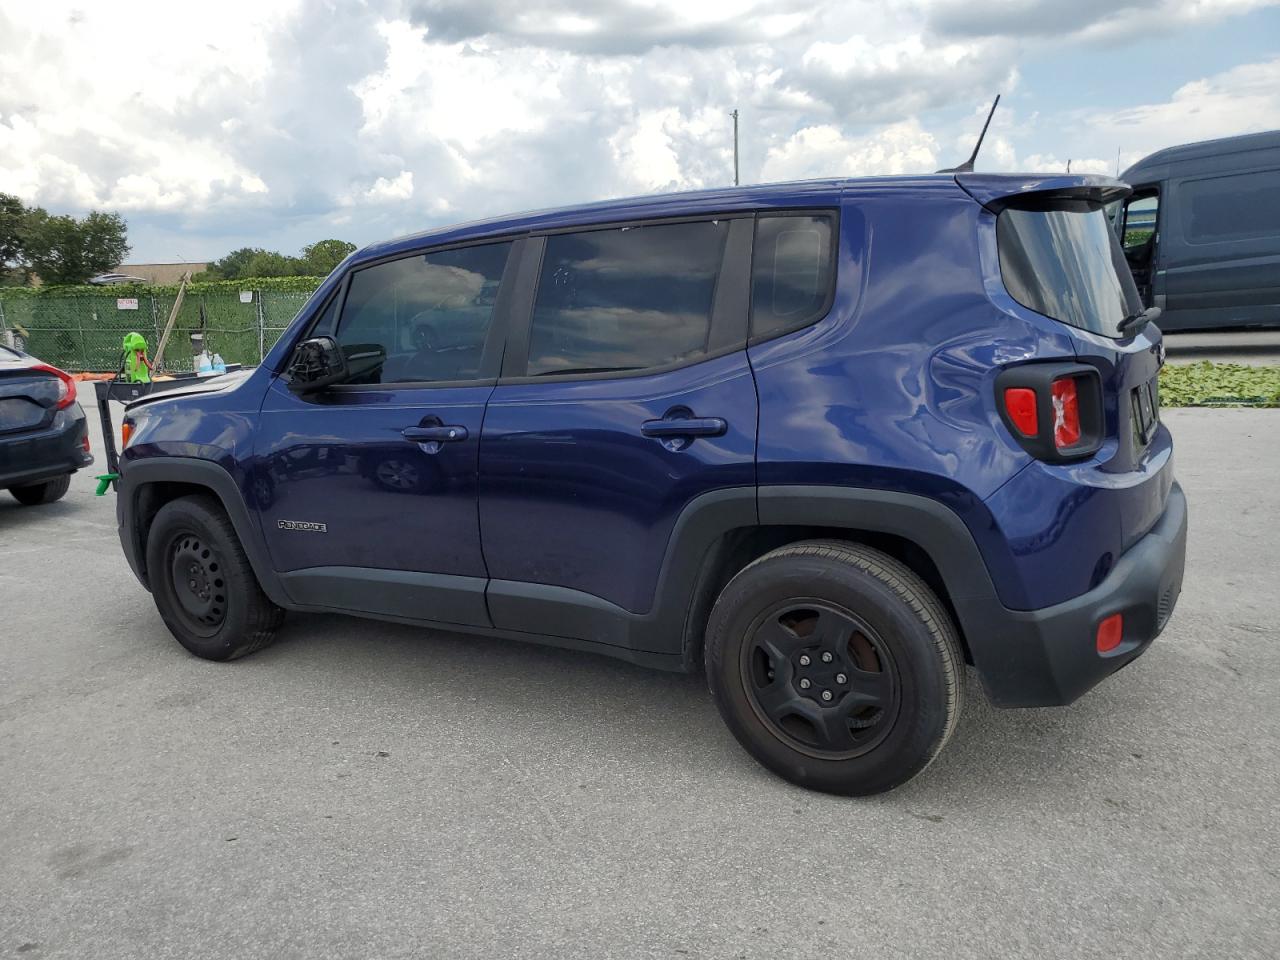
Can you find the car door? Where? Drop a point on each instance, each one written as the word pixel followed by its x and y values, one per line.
pixel 626 395
pixel 367 490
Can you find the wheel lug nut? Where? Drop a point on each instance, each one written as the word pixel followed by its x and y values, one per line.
pixel 804 683
pixel 826 658
pixel 841 678
pixel 826 694
pixel 804 660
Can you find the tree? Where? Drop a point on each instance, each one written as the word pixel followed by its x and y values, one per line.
pixel 267 263
pixel 321 257
pixel 12 213
pixel 62 249
pixel 232 266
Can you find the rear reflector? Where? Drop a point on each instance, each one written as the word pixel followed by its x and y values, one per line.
pixel 84 442
pixel 1020 403
pixel 1066 413
pixel 1110 633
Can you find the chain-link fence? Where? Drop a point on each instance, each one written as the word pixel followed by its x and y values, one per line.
pixel 83 332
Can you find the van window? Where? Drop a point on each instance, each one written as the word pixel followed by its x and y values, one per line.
pixel 625 298
pixel 792 272
pixel 423 318
pixel 1238 207
pixel 1062 259
pixel 1139 221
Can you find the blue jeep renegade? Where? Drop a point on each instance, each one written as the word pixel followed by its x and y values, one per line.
pixel 830 441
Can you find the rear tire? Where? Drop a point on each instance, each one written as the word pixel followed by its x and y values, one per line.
pixel 835 666
pixel 34 494
pixel 202 582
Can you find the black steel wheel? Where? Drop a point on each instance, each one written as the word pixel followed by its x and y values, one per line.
pixel 821 679
pixel 835 666
pixel 203 584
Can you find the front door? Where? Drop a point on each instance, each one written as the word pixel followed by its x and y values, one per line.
pixel 367 491
pixel 628 396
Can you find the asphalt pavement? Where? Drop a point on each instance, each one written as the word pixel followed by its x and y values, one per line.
pixel 369 790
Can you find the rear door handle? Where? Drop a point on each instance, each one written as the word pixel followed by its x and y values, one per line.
pixel 440 434
pixel 685 427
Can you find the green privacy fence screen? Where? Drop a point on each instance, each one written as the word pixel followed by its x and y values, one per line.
pixel 81 328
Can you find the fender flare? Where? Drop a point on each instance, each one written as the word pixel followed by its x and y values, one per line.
pixel 136 474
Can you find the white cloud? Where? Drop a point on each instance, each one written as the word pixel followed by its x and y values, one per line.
pixel 275 124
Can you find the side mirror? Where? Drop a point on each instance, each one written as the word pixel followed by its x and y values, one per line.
pixel 316 363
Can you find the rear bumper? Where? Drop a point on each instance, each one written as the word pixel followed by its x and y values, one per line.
pixel 1048 657
pixel 47 455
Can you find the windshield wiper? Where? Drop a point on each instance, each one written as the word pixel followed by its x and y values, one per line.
pixel 1136 321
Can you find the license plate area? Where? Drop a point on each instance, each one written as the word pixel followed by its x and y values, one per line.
pixel 1145 405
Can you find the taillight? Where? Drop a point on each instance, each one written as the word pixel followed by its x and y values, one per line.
pixel 1053 410
pixel 84 442
pixel 1066 413
pixel 67 385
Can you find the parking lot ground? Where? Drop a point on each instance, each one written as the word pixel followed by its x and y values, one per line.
pixel 370 790
pixel 1254 347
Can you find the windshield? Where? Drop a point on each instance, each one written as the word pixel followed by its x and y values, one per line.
pixel 1063 260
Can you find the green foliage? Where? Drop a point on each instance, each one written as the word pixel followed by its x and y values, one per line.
pixel 1207 384
pixel 291 284
pixel 318 260
pixel 12 214
pixel 61 249
pixel 321 257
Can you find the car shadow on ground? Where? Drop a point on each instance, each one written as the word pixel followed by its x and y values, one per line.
pixel 671 721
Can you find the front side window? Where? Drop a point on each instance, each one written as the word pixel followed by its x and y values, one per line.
pixel 1139 222
pixel 626 298
pixel 423 318
pixel 792 272
pixel 1062 259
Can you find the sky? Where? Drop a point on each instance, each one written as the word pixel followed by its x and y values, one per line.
pixel 274 123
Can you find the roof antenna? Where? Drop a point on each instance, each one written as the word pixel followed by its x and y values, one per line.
pixel 967 166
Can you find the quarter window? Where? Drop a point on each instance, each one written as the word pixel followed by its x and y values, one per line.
pixel 791 274
pixel 424 318
pixel 627 298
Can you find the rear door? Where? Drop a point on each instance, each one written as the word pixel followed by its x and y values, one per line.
pixel 625 396
pixel 367 490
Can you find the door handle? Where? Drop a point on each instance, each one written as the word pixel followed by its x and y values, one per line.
pixel 685 427
pixel 439 434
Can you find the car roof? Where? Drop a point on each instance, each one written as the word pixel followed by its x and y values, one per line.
pixel 1202 154
pixel 726 200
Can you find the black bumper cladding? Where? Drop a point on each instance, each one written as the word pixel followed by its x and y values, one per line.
pixel 1049 657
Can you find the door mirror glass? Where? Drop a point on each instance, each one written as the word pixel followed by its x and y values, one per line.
pixel 316 363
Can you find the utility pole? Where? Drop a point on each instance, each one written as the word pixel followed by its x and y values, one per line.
pixel 735 146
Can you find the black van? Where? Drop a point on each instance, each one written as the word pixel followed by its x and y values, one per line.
pixel 1201 232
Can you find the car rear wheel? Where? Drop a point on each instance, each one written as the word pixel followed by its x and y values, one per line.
pixel 34 494
pixel 835 666
pixel 202 582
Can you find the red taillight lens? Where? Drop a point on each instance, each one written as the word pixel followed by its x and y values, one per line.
pixel 1020 403
pixel 84 442
pixel 67 390
pixel 1110 633
pixel 1066 413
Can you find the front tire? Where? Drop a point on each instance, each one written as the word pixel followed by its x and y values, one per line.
pixel 835 666
pixel 34 494
pixel 202 582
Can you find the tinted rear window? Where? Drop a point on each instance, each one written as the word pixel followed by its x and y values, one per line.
pixel 625 298
pixel 1063 260
pixel 791 272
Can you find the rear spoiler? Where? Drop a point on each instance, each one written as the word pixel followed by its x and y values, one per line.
pixel 995 191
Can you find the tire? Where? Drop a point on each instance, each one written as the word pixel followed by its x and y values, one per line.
pixel 35 494
pixel 859 626
pixel 202 582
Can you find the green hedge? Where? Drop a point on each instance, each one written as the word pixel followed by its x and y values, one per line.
pixel 1208 384
pixel 291 284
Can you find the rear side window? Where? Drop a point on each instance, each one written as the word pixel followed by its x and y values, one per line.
pixel 427 316
pixel 625 299
pixel 1239 207
pixel 792 272
pixel 1063 260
